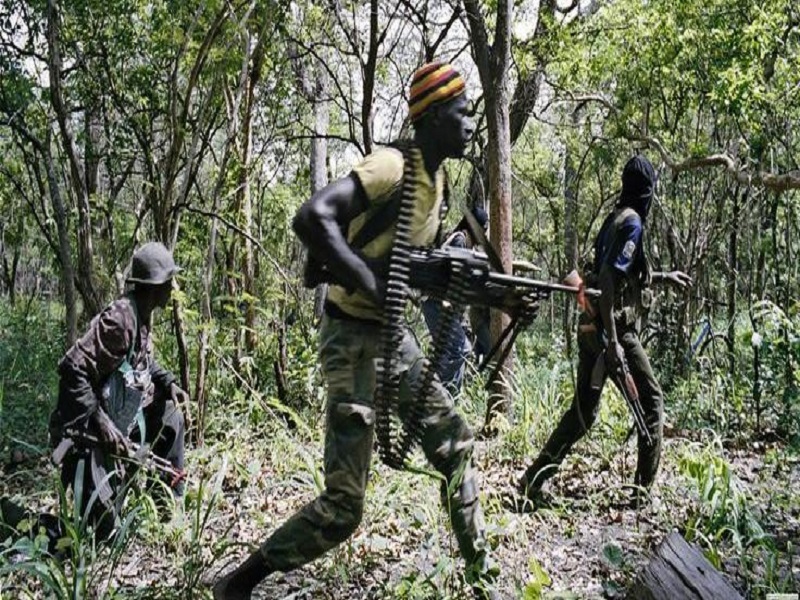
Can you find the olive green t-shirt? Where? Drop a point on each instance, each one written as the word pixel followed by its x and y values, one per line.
pixel 381 175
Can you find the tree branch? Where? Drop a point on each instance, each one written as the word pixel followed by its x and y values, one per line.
pixel 779 182
pixel 480 41
pixel 240 231
pixel 774 182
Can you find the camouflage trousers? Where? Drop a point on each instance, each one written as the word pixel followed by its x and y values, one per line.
pixel 348 351
pixel 582 413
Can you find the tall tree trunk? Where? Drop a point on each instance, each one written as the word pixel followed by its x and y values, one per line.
pixel 319 164
pixel 206 329
pixel 91 144
pixel 570 234
pixel 201 396
pixel 790 391
pixel 64 250
pixel 314 84
pixel 368 77
pixel 733 275
pixel 10 270
pixel 789 259
pixel 10 274
pixel 180 338
pixel 494 62
pixel 86 284
pixel 244 187
pixel 763 223
pixel 500 216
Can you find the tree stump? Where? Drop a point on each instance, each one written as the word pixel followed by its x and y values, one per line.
pixel 679 570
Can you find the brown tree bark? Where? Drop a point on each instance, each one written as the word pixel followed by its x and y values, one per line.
pixel 314 84
pixel 570 236
pixel 493 61
pixel 64 249
pixel 733 276
pixel 86 283
pixel 679 570
pixel 10 267
pixel 368 73
pixel 180 338
pixel 254 76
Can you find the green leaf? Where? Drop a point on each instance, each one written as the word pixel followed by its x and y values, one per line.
pixel 533 589
pixel 613 556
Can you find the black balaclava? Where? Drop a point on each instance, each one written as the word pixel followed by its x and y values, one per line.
pixel 638 185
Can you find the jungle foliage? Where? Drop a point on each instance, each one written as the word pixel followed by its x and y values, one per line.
pixel 204 125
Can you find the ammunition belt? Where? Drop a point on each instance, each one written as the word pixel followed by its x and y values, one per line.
pixel 397 437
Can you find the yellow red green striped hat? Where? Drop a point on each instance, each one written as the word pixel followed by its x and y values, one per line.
pixel 433 84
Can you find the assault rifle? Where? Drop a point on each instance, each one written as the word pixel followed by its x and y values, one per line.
pixel 623 379
pixel 139 454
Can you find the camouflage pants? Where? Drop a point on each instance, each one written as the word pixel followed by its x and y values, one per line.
pixel 348 350
pixel 583 412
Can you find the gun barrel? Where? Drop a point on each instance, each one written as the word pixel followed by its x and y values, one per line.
pixel 513 280
pixel 630 394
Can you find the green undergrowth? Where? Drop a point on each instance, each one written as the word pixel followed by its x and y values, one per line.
pixel 262 460
pixel 31 344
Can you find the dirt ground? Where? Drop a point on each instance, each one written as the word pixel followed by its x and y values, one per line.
pixel 589 543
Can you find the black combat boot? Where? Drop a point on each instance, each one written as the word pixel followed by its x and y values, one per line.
pixel 482 575
pixel 239 583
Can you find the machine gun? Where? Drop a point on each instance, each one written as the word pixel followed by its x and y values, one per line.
pixel 433 272
pixel 465 277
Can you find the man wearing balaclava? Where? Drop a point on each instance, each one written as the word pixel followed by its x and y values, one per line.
pixel 608 334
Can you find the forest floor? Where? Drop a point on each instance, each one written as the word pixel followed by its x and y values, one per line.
pixel 731 491
pixel 588 544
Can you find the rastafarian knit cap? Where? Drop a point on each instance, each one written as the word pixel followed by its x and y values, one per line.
pixel 433 84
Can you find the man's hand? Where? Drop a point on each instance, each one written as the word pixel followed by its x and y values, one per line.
pixel 679 279
pixel 375 290
pixel 110 433
pixel 378 293
pixel 374 277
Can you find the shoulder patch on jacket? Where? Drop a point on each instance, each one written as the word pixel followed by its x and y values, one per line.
pixel 628 249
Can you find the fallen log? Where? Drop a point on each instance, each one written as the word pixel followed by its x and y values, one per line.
pixel 679 570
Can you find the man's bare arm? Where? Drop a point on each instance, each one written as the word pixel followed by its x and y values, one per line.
pixel 319 223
